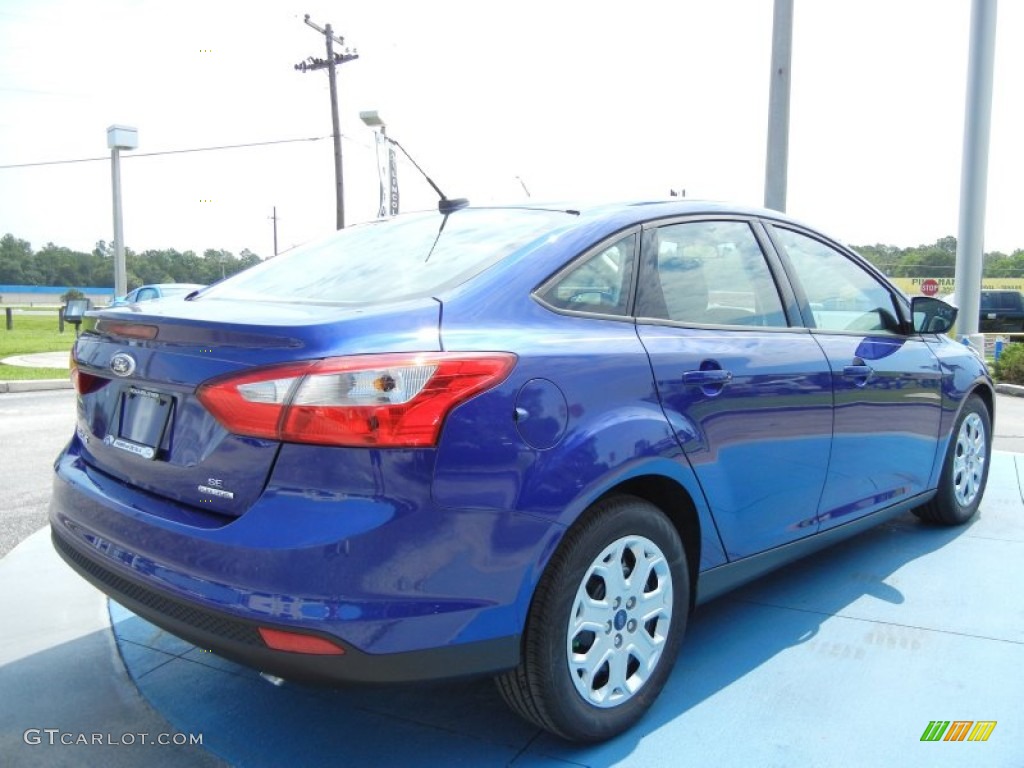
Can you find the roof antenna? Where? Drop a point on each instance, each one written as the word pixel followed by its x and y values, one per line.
pixel 444 205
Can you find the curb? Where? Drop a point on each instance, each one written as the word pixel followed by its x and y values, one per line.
pixel 1010 389
pixel 42 385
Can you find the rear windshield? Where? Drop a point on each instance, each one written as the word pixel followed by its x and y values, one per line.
pixel 405 257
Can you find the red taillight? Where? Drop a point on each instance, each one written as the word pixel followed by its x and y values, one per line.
pixel 84 383
pixel 367 400
pixel 296 642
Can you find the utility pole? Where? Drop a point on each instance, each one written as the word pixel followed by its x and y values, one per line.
pixel 274 217
pixel 333 60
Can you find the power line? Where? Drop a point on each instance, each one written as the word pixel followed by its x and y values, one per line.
pixel 177 151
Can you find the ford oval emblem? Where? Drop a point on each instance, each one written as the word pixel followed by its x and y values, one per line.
pixel 122 364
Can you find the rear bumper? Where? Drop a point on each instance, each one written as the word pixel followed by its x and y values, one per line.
pixel 239 639
pixel 410 592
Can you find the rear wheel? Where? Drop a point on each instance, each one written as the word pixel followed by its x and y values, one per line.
pixel 605 625
pixel 965 471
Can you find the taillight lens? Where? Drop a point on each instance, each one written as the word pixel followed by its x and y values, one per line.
pixel 393 400
pixel 84 383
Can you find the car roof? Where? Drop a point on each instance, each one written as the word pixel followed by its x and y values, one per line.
pixel 632 211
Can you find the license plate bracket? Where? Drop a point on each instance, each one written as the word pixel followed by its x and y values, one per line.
pixel 144 418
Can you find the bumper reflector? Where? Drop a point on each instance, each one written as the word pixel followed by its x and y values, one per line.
pixel 295 642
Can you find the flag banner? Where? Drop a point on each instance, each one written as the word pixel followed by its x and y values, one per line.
pixel 382 171
pixel 393 174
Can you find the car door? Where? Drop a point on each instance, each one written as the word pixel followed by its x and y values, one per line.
pixel 747 393
pixel 886 380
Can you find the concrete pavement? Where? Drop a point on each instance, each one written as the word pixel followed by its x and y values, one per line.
pixel 37 360
pixel 842 659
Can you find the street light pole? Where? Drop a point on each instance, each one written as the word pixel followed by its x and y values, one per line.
pixel 388 199
pixel 119 137
pixel 120 270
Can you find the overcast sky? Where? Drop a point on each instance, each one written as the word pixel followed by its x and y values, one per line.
pixel 609 100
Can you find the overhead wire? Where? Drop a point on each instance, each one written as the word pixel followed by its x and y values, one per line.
pixel 179 151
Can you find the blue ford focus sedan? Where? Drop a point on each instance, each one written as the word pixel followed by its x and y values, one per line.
pixel 520 442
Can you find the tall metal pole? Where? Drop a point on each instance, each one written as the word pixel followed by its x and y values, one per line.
pixel 119 137
pixel 120 271
pixel 275 230
pixel 339 178
pixel 970 242
pixel 777 159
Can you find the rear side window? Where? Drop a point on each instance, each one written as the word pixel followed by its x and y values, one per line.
pixel 406 257
pixel 708 273
pixel 597 283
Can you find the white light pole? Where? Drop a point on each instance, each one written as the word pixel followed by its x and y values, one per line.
pixel 970 242
pixel 388 200
pixel 776 168
pixel 119 137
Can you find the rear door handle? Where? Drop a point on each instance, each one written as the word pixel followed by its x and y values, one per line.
pixel 712 381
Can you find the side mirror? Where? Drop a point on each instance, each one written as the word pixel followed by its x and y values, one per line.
pixel 932 315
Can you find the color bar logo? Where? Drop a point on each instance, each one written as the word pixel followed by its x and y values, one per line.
pixel 958 730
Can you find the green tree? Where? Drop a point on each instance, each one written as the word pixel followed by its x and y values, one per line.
pixel 16 266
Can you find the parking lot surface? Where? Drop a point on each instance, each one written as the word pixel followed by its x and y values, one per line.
pixel 842 659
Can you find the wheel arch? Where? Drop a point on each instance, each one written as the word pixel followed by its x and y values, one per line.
pixel 988 397
pixel 678 506
pixel 673 490
pixel 984 390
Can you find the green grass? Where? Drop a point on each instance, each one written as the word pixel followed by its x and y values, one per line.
pixel 21 373
pixel 33 333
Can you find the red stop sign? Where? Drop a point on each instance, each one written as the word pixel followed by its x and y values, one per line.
pixel 929 287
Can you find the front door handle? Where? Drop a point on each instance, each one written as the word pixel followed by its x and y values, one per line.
pixel 703 378
pixel 859 372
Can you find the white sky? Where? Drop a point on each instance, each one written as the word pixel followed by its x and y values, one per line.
pixel 594 99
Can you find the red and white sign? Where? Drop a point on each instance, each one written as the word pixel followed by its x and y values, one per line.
pixel 929 287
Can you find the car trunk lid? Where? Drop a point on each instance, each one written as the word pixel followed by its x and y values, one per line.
pixel 138 371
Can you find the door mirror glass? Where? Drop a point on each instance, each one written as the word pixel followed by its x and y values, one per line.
pixel 932 315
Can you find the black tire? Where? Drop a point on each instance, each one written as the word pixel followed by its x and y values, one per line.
pixel 549 687
pixel 965 469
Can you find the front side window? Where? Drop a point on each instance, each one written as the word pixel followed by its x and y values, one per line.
pixel 709 273
pixel 843 296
